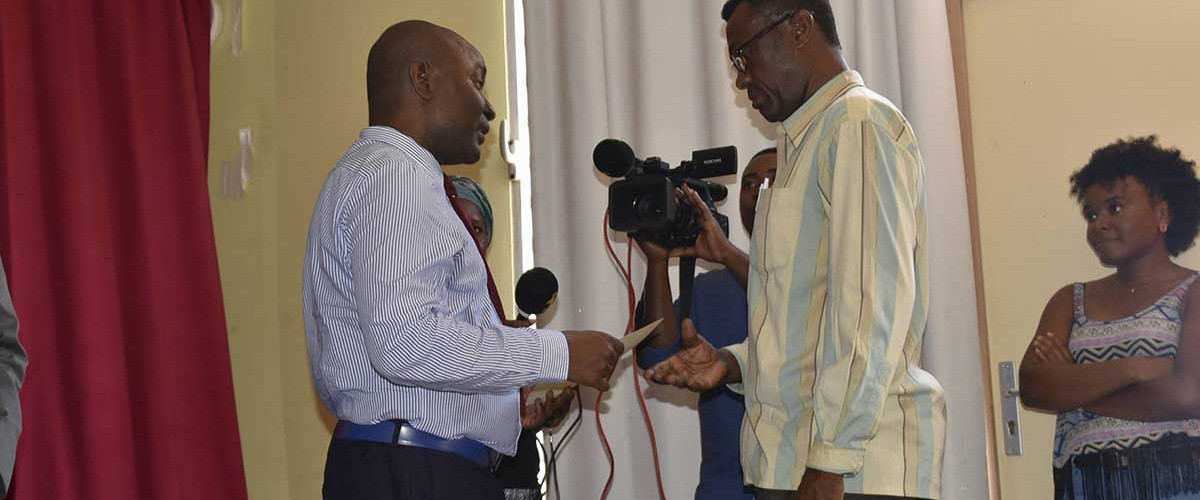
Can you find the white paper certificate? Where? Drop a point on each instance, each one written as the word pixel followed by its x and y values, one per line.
pixel 635 338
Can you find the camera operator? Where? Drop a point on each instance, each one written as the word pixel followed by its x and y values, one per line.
pixel 719 309
pixel 836 403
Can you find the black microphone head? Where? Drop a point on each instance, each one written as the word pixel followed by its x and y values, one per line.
pixel 613 157
pixel 536 290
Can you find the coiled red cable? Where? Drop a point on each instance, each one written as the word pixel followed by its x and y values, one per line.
pixel 626 275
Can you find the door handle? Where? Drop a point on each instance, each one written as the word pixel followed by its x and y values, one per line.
pixel 1010 409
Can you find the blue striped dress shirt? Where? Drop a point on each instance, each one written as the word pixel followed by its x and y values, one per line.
pixel 396 308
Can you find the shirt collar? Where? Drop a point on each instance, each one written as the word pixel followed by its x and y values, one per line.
pixel 389 135
pixel 798 122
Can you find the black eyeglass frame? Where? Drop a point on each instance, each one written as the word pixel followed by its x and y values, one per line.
pixel 740 62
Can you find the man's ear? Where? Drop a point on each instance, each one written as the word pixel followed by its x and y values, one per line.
pixel 804 27
pixel 420 77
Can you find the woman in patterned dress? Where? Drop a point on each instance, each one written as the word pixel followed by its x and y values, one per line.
pixel 1118 359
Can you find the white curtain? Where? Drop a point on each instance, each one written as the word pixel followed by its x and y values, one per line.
pixel 656 74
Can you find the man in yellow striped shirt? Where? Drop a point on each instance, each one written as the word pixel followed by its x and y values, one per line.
pixel 837 278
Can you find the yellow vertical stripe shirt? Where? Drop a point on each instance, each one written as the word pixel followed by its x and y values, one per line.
pixel 839 296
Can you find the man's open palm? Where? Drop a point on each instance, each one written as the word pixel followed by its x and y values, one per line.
pixel 697 366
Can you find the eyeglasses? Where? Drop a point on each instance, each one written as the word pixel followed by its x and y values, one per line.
pixel 740 61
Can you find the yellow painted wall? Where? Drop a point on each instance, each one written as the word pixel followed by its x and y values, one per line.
pixel 1050 81
pixel 300 85
pixel 244 95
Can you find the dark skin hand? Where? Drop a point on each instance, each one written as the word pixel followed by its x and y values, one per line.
pixel 593 357
pixel 712 244
pixel 814 485
pixel 698 366
pixel 548 412
pixel 821 485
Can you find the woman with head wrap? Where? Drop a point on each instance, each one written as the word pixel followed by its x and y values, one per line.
pixel 477 209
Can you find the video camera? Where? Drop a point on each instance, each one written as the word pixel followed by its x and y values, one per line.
pixel 644 203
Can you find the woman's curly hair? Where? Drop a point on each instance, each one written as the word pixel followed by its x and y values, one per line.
pixel 1165 174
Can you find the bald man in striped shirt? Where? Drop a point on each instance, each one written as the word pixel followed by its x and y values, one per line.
pixel 405 330
pixel 837 405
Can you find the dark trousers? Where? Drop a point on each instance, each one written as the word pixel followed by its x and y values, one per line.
pixel 360 470
pixel 789 495
pixel 521 472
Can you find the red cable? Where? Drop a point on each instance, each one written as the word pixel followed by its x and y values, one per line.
pixel 607 449
pixel 600 395
pixel 637 381
pixel 625 272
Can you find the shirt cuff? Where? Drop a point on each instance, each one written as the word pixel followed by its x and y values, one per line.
pixel 829 459
pixel 555 357
pixel 739 352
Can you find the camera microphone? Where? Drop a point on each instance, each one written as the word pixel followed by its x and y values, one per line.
pixel 613 157
pixel 536 291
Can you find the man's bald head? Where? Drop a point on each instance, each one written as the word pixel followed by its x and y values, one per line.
pixel 427 82
pixel 392 58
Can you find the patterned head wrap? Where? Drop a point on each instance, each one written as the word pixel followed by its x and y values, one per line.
pixel 471 191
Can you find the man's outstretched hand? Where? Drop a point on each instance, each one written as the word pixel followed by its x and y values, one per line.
pixel 698 366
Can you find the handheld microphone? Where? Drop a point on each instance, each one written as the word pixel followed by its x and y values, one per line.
pixel 536 291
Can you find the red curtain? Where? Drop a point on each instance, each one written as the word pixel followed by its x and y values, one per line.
pixel 106 231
